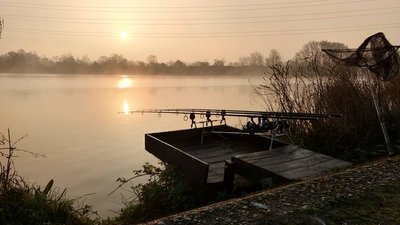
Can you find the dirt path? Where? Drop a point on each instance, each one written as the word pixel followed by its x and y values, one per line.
pixel 262 207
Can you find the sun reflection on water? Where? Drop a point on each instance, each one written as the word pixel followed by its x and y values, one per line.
pixel 125 82
pixel 125 107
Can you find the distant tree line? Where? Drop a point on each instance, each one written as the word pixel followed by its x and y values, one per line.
pixel 22 61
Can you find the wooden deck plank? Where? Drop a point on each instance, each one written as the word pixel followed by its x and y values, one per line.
pixel 269 153
pixel 217 159
pixel 288 164
pixel 315 169
pixel 276 158
pixel 218 153
pixel 305 162
pixel 221 157
pixel 212 152
pixel 217 166
pixel 216 172
pixel 214 149
pixel 195 148
pixel 285 163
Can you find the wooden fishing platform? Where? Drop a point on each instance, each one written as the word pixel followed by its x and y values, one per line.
pixel 214 155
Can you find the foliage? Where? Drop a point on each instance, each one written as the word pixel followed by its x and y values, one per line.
pixel 315 84
pixel 166 191
pixel 22 203
pixel 25 204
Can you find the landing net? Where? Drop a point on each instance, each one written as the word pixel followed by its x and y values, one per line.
pixel 375 54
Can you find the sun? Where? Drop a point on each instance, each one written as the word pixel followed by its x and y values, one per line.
pixel 123 35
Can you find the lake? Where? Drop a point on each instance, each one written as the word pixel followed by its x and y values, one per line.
pixel 74 121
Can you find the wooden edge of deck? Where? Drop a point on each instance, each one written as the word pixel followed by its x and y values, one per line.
pixel 253 172
pixel 194 168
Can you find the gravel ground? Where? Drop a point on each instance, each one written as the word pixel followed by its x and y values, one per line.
pixel 311 193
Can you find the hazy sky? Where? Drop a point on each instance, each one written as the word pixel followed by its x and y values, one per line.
pixel 190 30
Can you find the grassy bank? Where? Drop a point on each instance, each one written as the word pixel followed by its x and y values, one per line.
pixel 26 204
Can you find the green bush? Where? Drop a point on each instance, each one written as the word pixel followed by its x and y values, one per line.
pixel 166 192
pixel 24 204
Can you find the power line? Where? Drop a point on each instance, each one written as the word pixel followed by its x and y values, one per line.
pixel 162 7
pixel 134 9
pixel 223 23
pixel 85 20
pixel 215 34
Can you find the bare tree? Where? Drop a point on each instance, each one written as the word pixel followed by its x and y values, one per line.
pixel 256 59
pixel 8 173
pixel 152 60
pixel 273 58
pixel 1 26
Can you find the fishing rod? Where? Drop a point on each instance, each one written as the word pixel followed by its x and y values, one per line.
pixel 237 113
pixel 267 120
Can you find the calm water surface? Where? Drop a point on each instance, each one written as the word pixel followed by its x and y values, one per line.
pixel 74 121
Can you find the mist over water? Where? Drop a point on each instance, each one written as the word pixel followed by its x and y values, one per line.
pixel 74 121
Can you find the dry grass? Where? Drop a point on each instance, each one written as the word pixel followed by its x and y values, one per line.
pixel 319 85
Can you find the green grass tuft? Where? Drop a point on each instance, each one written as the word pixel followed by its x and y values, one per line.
pixel 24 204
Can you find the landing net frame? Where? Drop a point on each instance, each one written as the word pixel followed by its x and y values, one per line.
pixel 378 57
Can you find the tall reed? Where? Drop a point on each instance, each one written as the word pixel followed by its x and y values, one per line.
pixel 317 84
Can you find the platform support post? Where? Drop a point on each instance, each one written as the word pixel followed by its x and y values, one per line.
pixel 229 175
